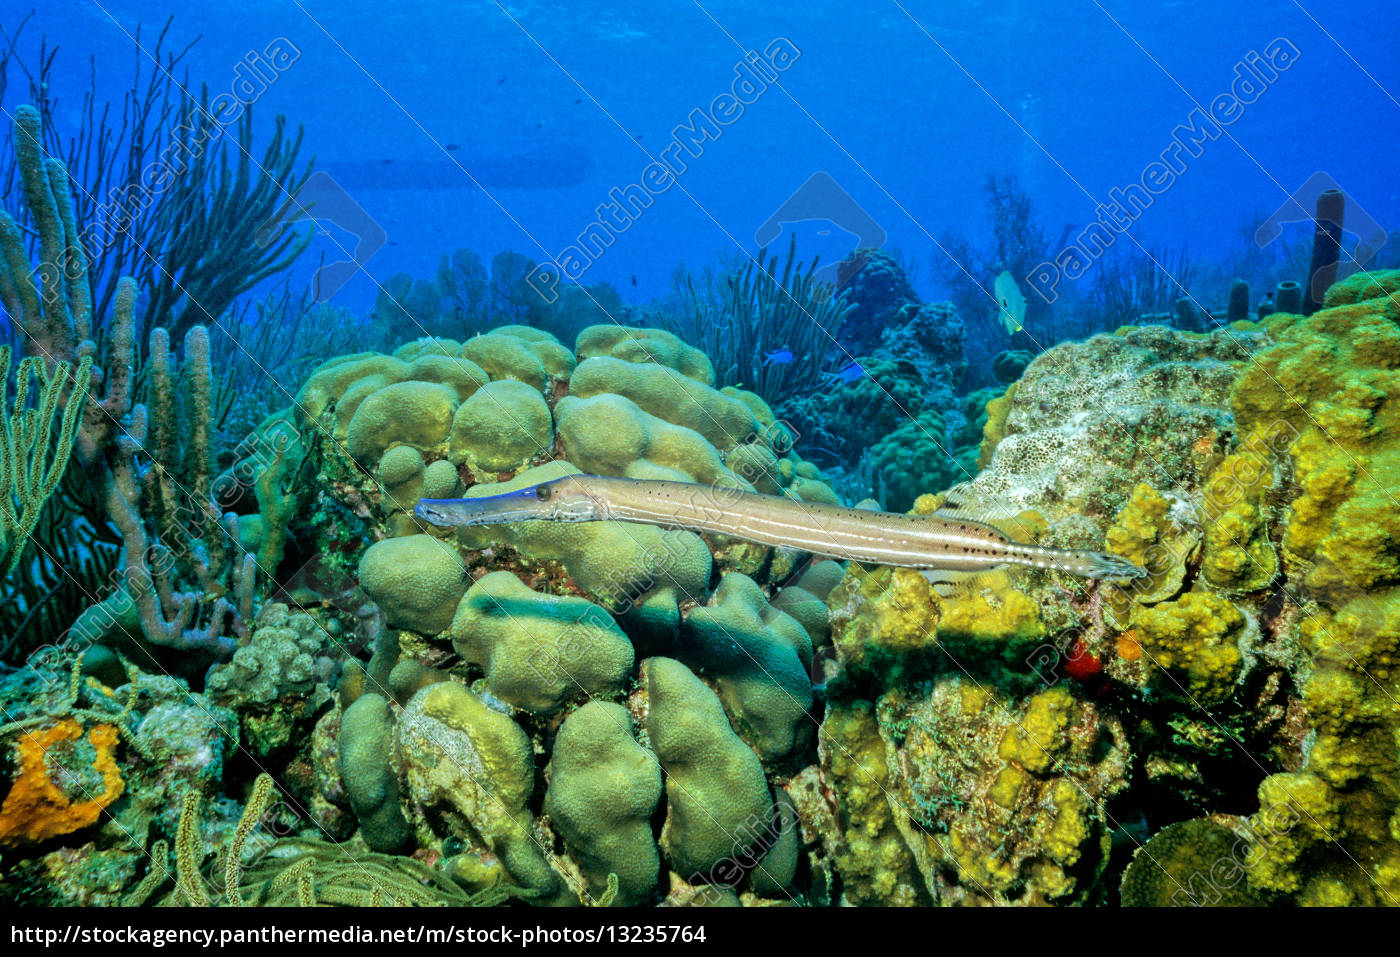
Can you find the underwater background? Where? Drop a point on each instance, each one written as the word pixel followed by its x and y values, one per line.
pixel 1108 277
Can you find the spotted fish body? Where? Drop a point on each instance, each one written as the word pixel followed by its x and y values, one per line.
pixel 927 542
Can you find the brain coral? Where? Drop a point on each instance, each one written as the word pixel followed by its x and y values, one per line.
pixel 610 434
pixel 501 427
pixel 417 581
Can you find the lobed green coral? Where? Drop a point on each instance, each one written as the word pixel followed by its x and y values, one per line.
pixel 760 659
pixel 718 802
pixel 371 786
pixel 603 789
pixel 539 651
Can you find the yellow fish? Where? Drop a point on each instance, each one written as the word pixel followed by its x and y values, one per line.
pixel 1012 303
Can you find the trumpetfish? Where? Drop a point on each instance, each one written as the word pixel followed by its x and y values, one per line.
pixel 942 542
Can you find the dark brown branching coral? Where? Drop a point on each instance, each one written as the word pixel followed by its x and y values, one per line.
pixel 210 248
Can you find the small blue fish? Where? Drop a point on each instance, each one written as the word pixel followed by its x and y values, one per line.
pixel 849 372
pixel 779 357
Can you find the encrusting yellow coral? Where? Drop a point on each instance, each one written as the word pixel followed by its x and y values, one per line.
pixel 1333 381
pixel 1194 638
pixel 39 807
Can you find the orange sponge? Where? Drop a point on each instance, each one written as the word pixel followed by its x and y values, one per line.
pixel 37 808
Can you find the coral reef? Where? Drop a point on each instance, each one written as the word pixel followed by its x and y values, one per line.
pixel 1329 386
pixel 294 673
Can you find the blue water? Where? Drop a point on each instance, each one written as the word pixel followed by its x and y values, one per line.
pixel 504 125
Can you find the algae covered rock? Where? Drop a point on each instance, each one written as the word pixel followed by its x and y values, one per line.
pixel 279 659
pixel 1148 532
pixel 475 767
pixel 861 837
pixel 1197 641
pixel 539 651
pixel 272 680
pixel 1327 399
pixel 1002 799
pixel 1090 420
pixel 603 790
